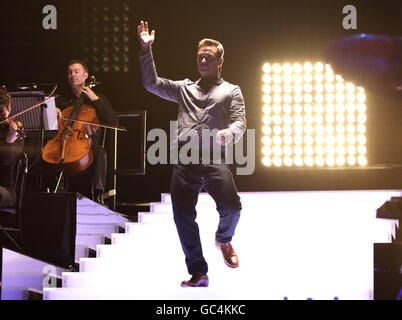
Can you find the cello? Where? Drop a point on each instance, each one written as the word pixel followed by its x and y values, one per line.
pixel 71 149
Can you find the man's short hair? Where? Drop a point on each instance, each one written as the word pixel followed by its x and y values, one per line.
pixel 84 65
pixel 211 42
pixel 5 98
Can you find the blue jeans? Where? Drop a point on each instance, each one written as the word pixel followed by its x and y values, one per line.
pixel 187 182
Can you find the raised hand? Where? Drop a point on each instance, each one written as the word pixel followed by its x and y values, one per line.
pixel 146 39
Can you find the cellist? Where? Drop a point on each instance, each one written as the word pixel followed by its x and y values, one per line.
pixel 77 74
pixel 11 143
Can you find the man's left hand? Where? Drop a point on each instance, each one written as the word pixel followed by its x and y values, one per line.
pixel 224 137
pixel 90 94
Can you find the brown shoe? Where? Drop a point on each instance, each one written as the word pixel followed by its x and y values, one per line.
pixel 197 280
pixel 229 255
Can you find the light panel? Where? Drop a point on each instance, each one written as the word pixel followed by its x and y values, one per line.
pixel 311 117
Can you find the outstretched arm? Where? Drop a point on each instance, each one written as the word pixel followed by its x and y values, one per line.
pixel 164 88
pixel 146 39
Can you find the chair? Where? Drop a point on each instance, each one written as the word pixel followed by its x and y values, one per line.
pixel 10 218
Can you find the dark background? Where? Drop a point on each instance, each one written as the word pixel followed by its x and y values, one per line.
pixel 252 32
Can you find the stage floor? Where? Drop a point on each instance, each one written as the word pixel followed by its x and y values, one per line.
pixel 291 245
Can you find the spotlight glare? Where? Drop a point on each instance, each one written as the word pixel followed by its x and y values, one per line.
pixel 277 151
pixel 318 77
pixel 266 68
pixel 266 88
pixel 266 130
pixel 277 130
pixel 361 128
pixel 277 79
pixel 277 88
pixel 340 128
pixel 329 77
pixel 361 139
pixel 319 150
pixel 298 150
pixel 351 139
pixel 288 140
pixel 351 160
pixel 267 161
pixel 287 161
pixel 308 77
pixel 319 67
pixel 319 87
pixel 340 161
pixel 298 161
pixel 277 108
pixel 267 119
pixel 350 87
pixel 267 98
pixel 329 87
pixel 297 68
pixel 266 78
pixel 361 97
pixel 361 118
pixel 287 88
pixel 267 109
pixel 330 161
pixel 340 87
pixel 308 67
pixel 287 130
pixel 297 108
pixel 309 161
pixel 361 150
pixel 361 107
pixel 362 160
pixel 287 78
pixel 351 150
pixel 267 151
pixel 311 117
pixel 267 141
pixel 287 68
pixel 319 161
pixel 287 150
pixel 277 68
pixel 277 161
pixel 277 140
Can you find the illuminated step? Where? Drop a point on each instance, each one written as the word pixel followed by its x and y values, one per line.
pixel 97 228
pixel 302 245
pixel 83 251
pixel 90 239
pixel 21 293
pixel 29 279
pixel 349 195
pixel 100 218
pixel 160 207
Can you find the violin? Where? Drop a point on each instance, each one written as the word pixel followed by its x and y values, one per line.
pixel 6 123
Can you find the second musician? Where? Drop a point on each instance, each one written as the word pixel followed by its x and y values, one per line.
pixel 11 144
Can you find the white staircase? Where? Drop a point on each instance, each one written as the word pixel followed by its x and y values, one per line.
pixel 293 245
pixel 24 275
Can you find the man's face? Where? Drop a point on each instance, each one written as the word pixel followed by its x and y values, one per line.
pixel 208 62
pixel 76 75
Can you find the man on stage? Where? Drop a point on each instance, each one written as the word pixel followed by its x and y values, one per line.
pixel 209 104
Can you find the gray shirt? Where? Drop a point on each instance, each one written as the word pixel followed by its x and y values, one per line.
pixel 214 106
